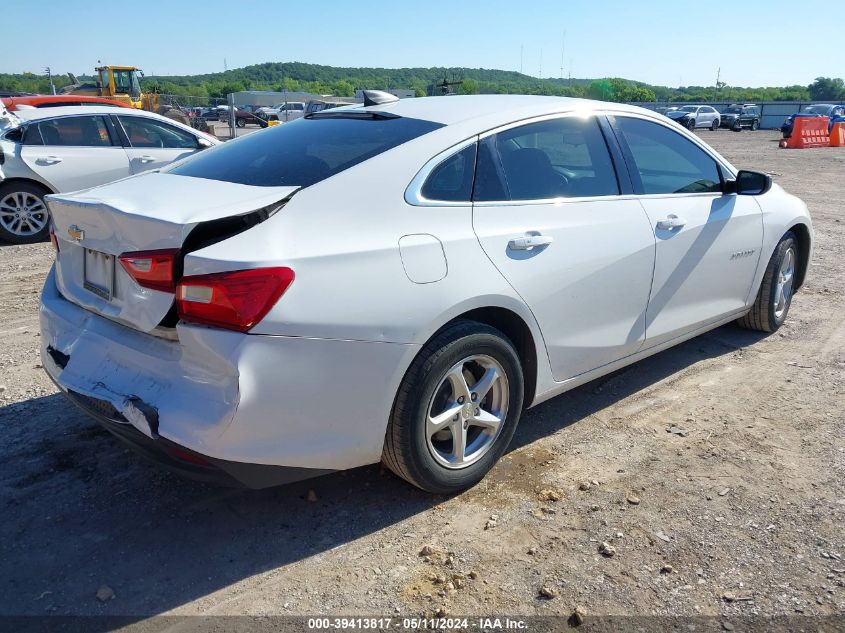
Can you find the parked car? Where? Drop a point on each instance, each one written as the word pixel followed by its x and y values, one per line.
pixel 693 116
pixel 836 113
pixel 399 281
pixel 288 111
pixel 244 118
pixel 61 149
pixel 737 116
pixel 54 101
pixel 216 113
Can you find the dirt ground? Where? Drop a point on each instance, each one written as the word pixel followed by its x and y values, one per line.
pixel 742 515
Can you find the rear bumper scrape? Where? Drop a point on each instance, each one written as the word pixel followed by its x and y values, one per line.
pixel 184 462
pixel 186 393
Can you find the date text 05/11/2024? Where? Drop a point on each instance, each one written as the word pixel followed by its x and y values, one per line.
pixel 436 623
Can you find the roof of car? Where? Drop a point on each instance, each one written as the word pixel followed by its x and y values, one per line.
pixel 36 100
pixel 48 113
pixel 492 108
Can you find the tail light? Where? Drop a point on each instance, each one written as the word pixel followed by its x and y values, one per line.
pixel 235 300
pixel 152 269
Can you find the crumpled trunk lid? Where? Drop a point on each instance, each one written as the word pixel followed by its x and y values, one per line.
pixel 148 212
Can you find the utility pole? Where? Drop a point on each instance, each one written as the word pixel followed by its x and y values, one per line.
pixel 562 53
pixel 50 77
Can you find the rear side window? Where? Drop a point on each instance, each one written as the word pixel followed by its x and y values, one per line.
pixel 665 161
pixel 451 180
pixel 304 151
pixel 77 131
pixel 560 158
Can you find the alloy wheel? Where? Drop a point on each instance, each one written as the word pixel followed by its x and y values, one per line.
pixel 783 287
pixel 23 214
pixel 467 412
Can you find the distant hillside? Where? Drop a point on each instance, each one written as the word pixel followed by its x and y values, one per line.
pixel 298 76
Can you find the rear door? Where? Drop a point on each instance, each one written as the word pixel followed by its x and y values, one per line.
pixel 708 242
pixel 552 216
pixel 151 144
pixel 74 152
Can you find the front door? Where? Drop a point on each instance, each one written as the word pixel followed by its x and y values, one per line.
pixel 708 243
pixel 548 212
pixel 154 144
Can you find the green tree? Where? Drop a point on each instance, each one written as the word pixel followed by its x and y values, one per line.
pixel 468 87
pixel 827 89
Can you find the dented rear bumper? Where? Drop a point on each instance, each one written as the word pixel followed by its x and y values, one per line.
pixel 240 402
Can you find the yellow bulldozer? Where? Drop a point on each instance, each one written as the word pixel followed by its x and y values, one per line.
pixel 123 83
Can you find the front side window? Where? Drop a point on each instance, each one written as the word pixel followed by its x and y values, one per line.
pixel 144 132
pixel 451 180
pixel 665 161
pixel 559 158
pixel 79 131
pixel 304 151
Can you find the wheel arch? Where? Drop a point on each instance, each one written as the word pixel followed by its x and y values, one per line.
pixel 30 181
pixel 802 234
pixel 518 332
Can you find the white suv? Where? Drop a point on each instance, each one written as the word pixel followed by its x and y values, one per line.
pixel 284 112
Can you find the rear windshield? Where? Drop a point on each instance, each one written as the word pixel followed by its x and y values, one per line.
pixel 304 151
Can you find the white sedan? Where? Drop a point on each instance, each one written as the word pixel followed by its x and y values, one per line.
pixel 398 281
pixel 62 149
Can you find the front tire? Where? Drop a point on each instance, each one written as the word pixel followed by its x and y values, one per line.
pixel 755 125
pixel 24 218
pixel 456 409
pixel 240 122
pixel 775 295
pixel 691 125
pixel 737 126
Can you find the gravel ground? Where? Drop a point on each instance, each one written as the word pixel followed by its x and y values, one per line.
pixel 743 515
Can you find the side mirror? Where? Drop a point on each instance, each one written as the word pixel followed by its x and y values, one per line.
pixel 203 143
pixel 749 183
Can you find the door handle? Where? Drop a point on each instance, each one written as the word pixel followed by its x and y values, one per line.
pixel 49 160
pixel 670 222
pixel 146 159
pixel 529 241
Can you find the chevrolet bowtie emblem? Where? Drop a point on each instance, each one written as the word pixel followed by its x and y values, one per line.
pixel 75 233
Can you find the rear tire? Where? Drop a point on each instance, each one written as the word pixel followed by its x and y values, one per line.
pixel 176 115
pixel 420 445
pixel 776 290
pixel 24 218
pixel 714 125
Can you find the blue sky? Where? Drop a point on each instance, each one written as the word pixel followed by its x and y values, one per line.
pixel 665 42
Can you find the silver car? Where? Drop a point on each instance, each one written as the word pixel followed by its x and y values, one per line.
pixel 693 116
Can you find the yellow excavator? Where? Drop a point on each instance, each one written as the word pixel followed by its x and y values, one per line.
pixel 123 83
